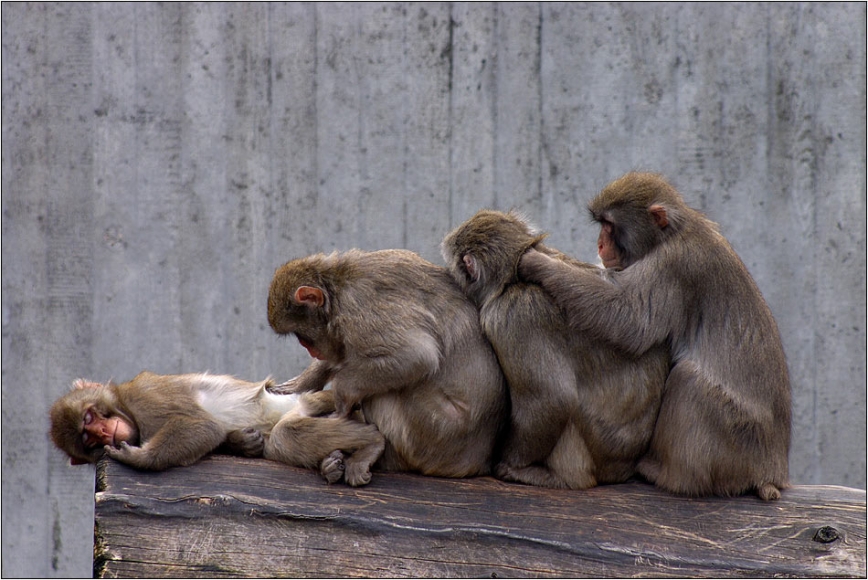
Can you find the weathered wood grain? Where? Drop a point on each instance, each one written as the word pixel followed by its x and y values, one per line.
pixel 227 517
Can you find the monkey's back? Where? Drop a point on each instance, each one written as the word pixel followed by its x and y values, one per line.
pixel 448 423
pixel 615 410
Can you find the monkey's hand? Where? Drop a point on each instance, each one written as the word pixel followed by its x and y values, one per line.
pixel 247 442
pixel 533 264
pixel 127 454
pixel 346 401
pixel 314 378
pixel 285 388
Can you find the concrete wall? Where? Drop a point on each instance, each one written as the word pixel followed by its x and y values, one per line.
pixel 159 161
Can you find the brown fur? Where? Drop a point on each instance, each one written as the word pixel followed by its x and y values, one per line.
pixel 724 425
pixel 397 337
pixel 178 419
pixel 582 411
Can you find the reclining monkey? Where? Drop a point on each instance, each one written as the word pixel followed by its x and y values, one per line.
pixel 154 422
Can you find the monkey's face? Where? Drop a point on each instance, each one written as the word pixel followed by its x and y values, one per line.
pixel 634 213
pixel 85 420
pixel 607 249
pixel 302 310
pixel 99 431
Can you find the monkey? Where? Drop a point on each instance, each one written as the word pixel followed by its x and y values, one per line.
pixel 394 335
pixel 582 412
pixel 155 422
pixel 674 280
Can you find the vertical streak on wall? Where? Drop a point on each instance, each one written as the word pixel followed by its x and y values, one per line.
pixel 337 99
pixel 839 172
pixel 517 118
pixel 378 61
pixel 294 228
pixel 69 306
pixel 427 65
pixel 790 219
pixel 472 105
pixel 24 236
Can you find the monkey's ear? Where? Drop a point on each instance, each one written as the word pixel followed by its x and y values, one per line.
pixel 85 384
pixel 658 214
pixel 471 267
pixel 309 296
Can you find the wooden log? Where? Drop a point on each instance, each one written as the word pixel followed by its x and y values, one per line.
pixel 234 517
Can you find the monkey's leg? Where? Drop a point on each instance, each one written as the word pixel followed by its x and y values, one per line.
pixel 569 465
pixel 571 460
pixel 358 465
pixel 706 441
pixel 306 441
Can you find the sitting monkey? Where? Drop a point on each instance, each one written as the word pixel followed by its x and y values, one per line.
pixel 154 422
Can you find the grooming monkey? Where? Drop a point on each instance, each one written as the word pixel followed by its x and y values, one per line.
pixel 154 422
pixel 674 281
pixel 582 411
pixel 394 335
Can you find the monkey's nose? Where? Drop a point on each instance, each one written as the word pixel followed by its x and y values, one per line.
pixel 98 433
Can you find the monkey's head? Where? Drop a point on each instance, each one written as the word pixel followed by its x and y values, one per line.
pixel 635 212
pixel 483 253
pixel 87 419
pixel 300 302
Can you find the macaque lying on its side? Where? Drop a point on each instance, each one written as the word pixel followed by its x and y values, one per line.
pixel 155 422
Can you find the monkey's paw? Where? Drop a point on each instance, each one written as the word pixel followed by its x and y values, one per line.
pixel 345 404
pixel 248 442
pixel 285 388
pixel 124 453
pixel 768 492
pixel 332 467
pixel 358 473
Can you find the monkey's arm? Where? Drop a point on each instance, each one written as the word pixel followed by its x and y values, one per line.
pixel 182 440
pixel 611 306
pixel 394 362
pixel 313 378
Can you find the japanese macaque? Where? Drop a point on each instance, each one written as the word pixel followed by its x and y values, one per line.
pixel 154 422
pixel 394 335
pixel 582 411
pixel 673 280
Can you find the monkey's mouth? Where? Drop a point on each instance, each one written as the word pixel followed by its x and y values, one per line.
pixel 114 442
pixel 311 349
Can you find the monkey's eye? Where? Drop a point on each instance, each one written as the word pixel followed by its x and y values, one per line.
pixel 88 417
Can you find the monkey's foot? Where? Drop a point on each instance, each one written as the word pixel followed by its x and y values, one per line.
pixel 768 492
pixel 358 472
pixel 332 467
pixel 530 475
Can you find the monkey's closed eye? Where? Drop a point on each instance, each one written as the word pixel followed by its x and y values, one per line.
pixel 85 437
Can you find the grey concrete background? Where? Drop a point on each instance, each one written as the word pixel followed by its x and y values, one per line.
pixel 159 161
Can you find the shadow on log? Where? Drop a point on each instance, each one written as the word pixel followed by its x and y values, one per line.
pixel 229 517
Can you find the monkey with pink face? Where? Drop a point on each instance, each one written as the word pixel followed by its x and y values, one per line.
pixel 672 280
pixel 155 422
pixel 394 336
